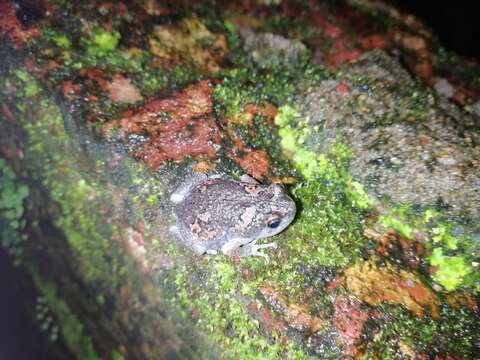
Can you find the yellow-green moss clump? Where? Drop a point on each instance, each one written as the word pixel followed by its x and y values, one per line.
pixel 453 269
pixel 223 314
pixel 50 150
pixel 331 201
pixel 71 328
pixel 12 196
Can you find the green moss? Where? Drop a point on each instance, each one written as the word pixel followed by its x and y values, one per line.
pixel 294 132
pixel 31 87
pixel 393 222
pixel 451 270
pixel 453 256
pixel 79 197
pixel 12 195
pixel 242 86
pixel 72 330
pixel 328 231
pixel 56 38
pixel 116 355
pixel 224 316
pixel 453 333
pixel 247 84
pixel 359 196
pixel 103 41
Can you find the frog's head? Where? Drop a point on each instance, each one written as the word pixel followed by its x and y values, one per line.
pixel 277 211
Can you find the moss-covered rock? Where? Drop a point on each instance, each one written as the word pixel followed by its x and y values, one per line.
pixel 119 103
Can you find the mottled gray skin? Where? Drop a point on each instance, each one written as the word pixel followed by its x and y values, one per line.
pixel 220 214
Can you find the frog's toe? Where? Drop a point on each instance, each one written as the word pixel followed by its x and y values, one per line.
pixel 255 250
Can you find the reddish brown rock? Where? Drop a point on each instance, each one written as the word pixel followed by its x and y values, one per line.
pixel 393 244
pixel 173 128
pixel 374 284
pixel 349 319
pixel 71 90
pixel 255 163
pixel 121 90
pixel 11 27
pixel 272 325
pixel 297 316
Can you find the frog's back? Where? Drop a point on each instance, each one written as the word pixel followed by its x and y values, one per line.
pixel 212 209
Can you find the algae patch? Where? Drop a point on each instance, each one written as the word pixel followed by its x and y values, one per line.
pixel 71 328
pixel 50 150
pixel 12 196
pixel 215 300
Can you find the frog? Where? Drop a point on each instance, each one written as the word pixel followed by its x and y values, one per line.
pixel 219 214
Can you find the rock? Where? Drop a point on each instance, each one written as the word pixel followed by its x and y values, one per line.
pixel 271 50
pixel 444 88
pixel 476 108
pixel 407 147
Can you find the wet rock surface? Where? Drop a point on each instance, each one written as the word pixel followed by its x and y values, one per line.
pixel 409 146
pixel 271 50
pixel 107 107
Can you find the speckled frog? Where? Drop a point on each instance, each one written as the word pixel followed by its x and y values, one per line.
pixel 215 214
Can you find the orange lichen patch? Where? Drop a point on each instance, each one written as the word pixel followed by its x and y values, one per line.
pixel 172 128
pixel 343 48
pixel 91 83
pixel 204 166
pixel 460 300
pixel 321 20
pixel 255 163
pixel 267 110
pixel 375 41
pixel 189 41
pixel 11 28
pixel 349 319
pixel 95 78
pixel 297 316
pixel 393 244
pixel 247 117
pixel 270 324
pixel 462 94
pixel 40 70
pixel 342 89
pixel 121 90
pixel 424 70
pixel 374 285
pixel 71 90
pixel 343 51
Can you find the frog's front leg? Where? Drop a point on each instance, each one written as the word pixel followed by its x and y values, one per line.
pixel 252 249
pixel 247 248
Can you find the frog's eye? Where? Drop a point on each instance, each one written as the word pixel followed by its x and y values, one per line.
pixel 273 223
